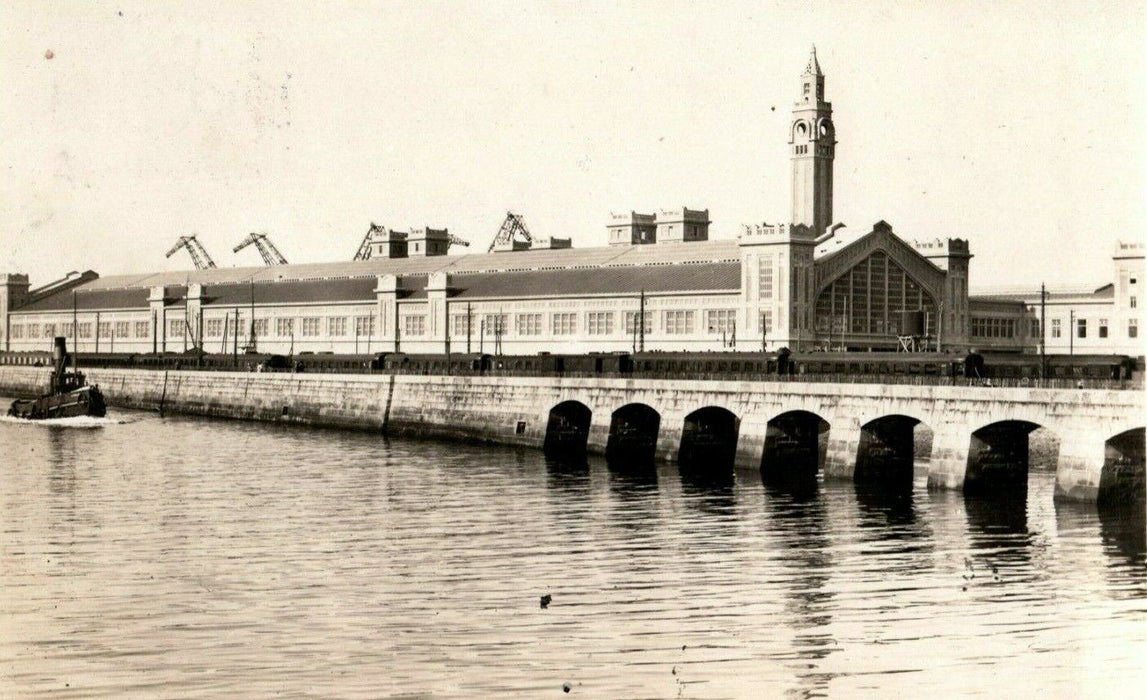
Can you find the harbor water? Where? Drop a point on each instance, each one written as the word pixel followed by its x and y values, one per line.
pixel 188 557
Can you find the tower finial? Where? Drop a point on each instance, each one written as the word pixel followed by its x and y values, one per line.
pixel 813 66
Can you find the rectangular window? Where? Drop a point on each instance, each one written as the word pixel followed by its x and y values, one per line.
pixel 765 286
pixel 364 326
pixel 1035 330
pixel 766 322
pixel 414 326
pixel 528 324
pixel 1102 328
pixel 123 329
pixel 679 322
pixel 214 327
pixel 142 329
pixel 1081 328
pixel 1133 328
pixel 719 321
pixel 599 323
pixel 34 330
pixel 174 328
pixel 311 326
pixel 496 324
pixel 17 331
pixel 262 327
pixel 459 325
pixel 564 324
pixel 631 321
pixel 106 329
pixel 1134 302
pixel 1056 328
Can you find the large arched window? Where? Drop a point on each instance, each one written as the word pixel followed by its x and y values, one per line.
pixel 870 298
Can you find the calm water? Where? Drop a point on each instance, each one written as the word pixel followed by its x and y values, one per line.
pixel 188 557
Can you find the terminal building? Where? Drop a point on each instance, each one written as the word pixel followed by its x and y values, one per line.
pixel 659 284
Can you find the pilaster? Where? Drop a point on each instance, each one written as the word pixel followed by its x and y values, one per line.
pixel 386 295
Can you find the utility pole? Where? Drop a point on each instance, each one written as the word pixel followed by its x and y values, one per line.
pixel 469 324
pixel 641 320
pixel 97 331
pixel 940 328
pixel 1071 334
pixel 1042 331
pixel 482 336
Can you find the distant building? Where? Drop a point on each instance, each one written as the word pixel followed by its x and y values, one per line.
pixel 807 284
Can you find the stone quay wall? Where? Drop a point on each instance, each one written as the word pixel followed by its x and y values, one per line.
pixel 516 410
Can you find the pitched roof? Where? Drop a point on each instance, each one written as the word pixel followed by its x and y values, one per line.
pixel 90 300
pixel 709 277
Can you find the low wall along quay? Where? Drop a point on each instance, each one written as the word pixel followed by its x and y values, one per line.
pixel 789 430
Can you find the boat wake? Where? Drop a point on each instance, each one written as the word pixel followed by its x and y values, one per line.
pixel 82 422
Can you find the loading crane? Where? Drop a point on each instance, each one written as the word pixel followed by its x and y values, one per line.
pixel 513 226
pixel 198 253
pixel 267 249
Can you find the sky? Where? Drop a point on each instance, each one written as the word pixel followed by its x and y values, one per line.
pixel 124 125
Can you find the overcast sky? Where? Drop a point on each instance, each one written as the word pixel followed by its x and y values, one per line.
pixel 1019 126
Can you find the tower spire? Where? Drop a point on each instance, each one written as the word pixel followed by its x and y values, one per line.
pixel 813 67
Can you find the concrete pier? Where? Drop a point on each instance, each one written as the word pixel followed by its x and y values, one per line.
pixel 850 431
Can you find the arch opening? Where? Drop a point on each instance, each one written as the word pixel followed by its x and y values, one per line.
pixel 998 460
pixel 795 446
pixel 567 431
pixel 887 452
pixel 1122 480
pixel 633 433
pixel 709 440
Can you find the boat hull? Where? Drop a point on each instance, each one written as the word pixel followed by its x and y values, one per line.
pixel 85 401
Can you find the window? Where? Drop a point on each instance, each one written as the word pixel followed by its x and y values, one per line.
pixel 1081 328
pixel 284 327
pixel 1133 328
pixel 1102 328
pixel 565 324
pixel 105 330
pixel 364 326
pixel 414 326
pixel 720 320
pixel 460 325
pixel 262 327
pixel 1134 302
pixel 678 322
pixel 1056 328
pixel 142 329
pixel 214 327
pixel 631 321
pixel 336 326
pixel 496 324
pixel 311 326
pixel 33 330
pixel 83 330
pixel 1035 328
pixel 765 287
pixel 17 331
pixel 528 324
pixel 50 330
pixel 766 322
pixel 175 328
pixel 599 322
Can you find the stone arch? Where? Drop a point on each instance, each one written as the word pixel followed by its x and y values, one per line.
pixel 795 446
pixel 1122 480
pixel 887 451
pixel 709 440
pixel 998 459
pixel 633 431
pixel 567 430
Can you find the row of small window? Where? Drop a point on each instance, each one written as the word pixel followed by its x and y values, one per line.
pixel 307 327
pixel 1081 328
pixel 83 330
pixel 717 321
pixel 993 327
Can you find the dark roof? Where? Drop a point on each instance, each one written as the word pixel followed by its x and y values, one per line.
pixel 722 276
pixel 87 300
pixel 295 292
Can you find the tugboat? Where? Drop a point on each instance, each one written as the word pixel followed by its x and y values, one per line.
pixel 68 393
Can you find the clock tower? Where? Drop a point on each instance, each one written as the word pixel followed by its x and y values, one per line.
pixel 812 138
